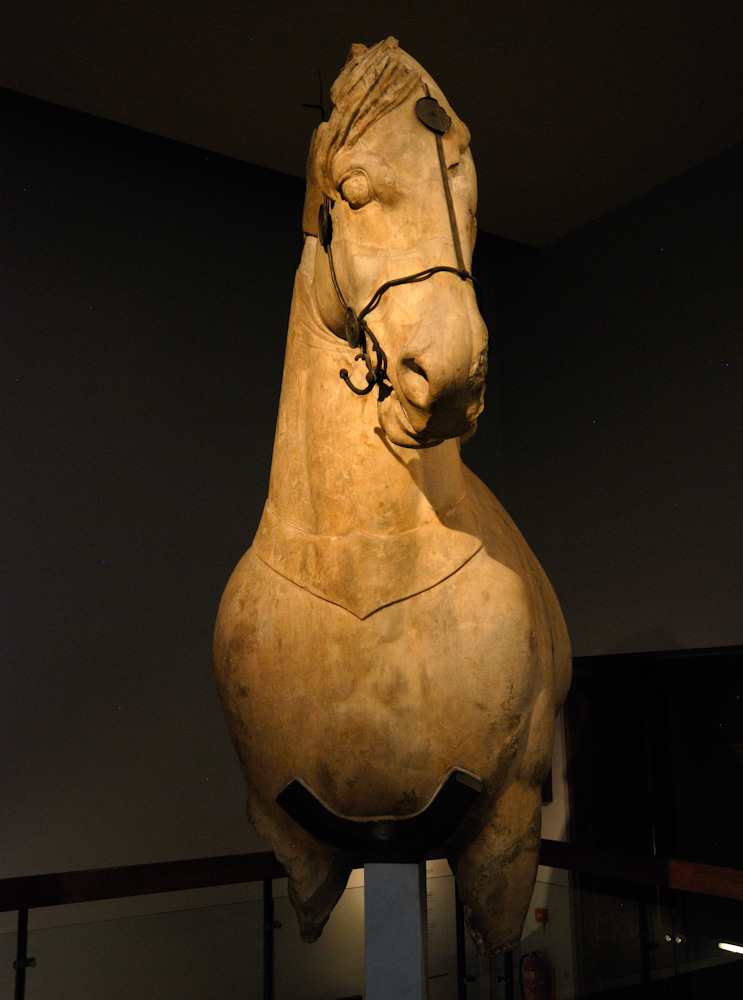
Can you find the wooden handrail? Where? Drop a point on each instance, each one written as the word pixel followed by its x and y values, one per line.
pixel 667 873
pixel 30 891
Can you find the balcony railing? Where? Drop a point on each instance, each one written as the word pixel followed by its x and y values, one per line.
pixel 28 892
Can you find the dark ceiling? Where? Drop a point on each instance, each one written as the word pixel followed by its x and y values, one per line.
pixel 574 107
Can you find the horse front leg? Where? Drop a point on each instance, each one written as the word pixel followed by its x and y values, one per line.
pixel 318 874
pixel 496 867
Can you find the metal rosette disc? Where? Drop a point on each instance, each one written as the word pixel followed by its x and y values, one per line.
pixel 353 329
pixel 432 115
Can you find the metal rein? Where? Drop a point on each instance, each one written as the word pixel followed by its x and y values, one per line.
pixel 358 332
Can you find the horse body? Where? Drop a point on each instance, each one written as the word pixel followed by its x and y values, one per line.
pixel 389 622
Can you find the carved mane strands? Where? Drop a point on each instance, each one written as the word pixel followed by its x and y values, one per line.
pixel 373 82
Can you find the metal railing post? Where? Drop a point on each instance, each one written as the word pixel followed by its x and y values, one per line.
pixel 462 978
pixel 269 926
pixel 22 961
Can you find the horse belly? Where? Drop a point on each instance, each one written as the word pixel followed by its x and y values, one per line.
pixel 373 714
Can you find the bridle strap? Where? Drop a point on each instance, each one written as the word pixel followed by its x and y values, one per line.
pixel 420 276
pixel 432 115
pixel 449 203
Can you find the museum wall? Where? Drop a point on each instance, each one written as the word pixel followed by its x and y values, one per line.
pixel 145 294
pixel 146 291
pixel 618 364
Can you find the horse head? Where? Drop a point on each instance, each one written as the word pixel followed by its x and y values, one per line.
pixel 391 196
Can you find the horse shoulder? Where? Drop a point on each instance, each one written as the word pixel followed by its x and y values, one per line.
pixel 503 542
pixel 240 628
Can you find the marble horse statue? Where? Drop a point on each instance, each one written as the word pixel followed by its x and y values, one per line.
pixel 389 637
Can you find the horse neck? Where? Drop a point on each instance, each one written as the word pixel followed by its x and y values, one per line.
pixel 333 471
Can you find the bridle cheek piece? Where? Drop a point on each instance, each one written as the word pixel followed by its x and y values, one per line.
pixel 358 333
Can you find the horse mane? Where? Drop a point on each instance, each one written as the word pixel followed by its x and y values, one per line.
pixel 373 82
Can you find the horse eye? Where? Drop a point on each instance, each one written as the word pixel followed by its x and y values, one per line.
pixel 356 189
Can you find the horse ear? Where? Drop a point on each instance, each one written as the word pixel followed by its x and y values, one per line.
pixel 314 191
pixel 356 50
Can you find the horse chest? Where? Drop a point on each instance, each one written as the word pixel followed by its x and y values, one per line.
pixel 387 704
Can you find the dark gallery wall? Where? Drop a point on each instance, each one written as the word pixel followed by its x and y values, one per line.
pixel 145 293
pixel 619 370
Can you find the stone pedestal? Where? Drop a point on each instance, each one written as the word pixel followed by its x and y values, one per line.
pixel 396 931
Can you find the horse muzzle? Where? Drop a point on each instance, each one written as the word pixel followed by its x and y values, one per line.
pixel 426 407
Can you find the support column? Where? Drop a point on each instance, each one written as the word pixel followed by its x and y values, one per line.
pixel 396 931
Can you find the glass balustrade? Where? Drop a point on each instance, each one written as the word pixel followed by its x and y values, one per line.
pixel 201 952
pixel 584 944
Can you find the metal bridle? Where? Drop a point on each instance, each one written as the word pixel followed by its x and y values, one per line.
pixel 358 333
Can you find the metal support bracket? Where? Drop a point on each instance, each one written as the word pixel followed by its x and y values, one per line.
pixel 388 838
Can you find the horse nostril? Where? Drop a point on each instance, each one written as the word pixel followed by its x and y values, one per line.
pixel 413 365
pixel 414 381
